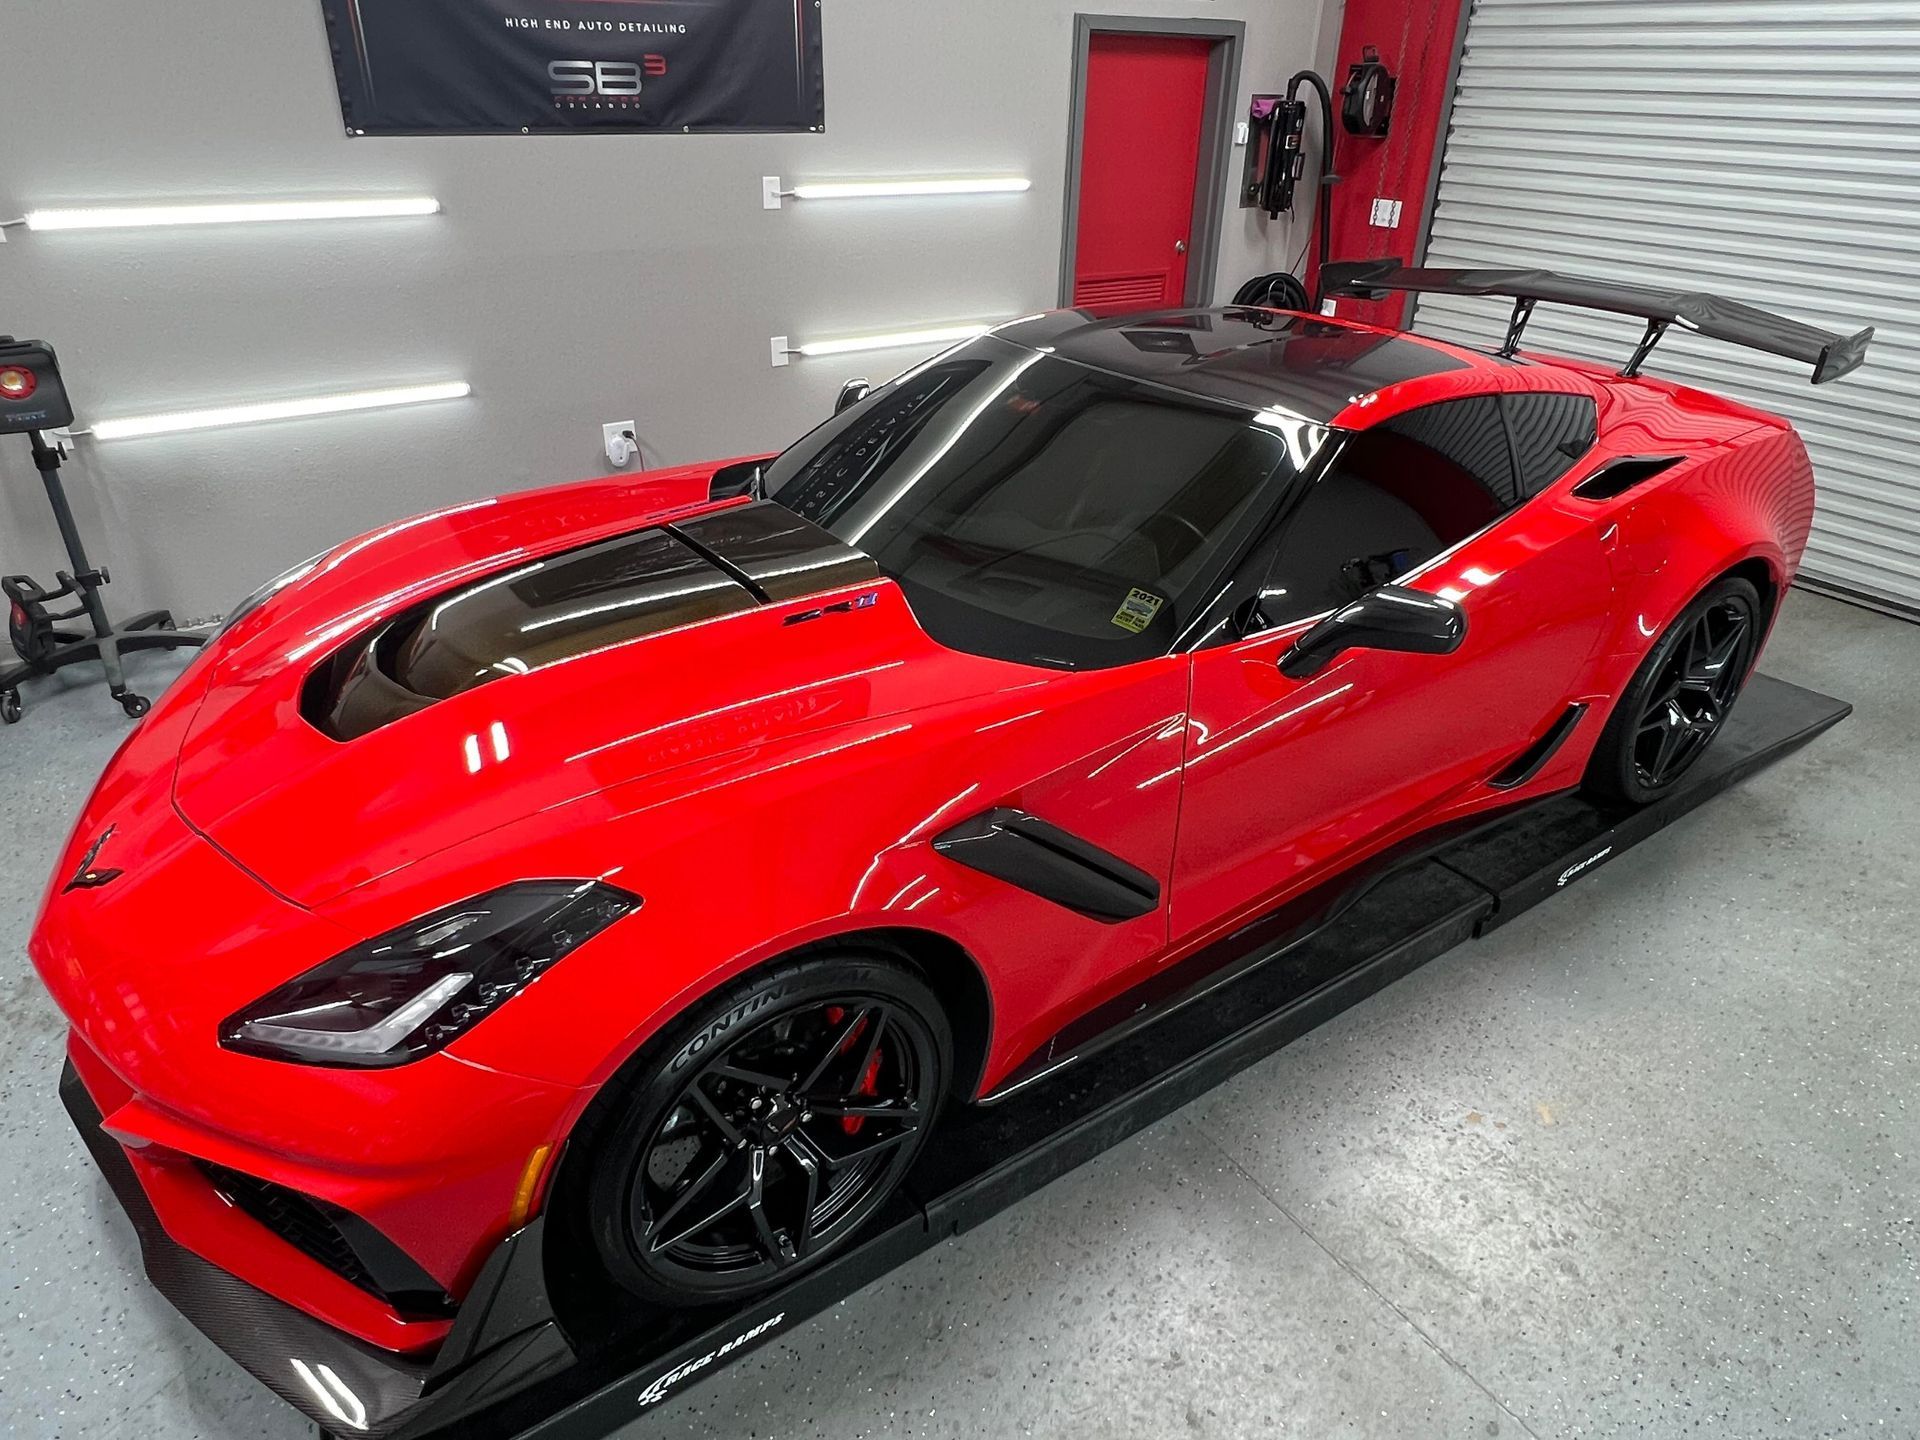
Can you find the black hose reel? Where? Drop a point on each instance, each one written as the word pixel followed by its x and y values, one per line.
pixel 1366 104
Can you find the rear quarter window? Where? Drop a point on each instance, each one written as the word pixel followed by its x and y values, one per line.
pixel 1550 435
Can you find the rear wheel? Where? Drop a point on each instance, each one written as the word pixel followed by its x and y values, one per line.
pixel 1679 699
pixel 765 1128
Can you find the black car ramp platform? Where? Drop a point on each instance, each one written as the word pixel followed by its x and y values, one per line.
pixel 539 1352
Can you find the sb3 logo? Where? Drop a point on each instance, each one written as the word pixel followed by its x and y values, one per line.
pixel 615 78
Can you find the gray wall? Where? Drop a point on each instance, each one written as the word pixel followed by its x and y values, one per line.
pixel 572 280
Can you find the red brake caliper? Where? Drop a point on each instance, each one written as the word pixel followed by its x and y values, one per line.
pixel 869 1085
pixel 869 1080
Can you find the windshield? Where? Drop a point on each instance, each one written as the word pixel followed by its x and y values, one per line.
pixel 1035 510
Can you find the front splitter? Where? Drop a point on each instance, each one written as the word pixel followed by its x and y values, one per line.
pixel 327 1374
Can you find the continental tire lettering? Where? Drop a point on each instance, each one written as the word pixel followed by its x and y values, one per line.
pixel 702 1042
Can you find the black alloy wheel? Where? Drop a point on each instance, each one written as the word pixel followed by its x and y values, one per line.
pixel 773 1133
pixel 1680 699
pixel 1697 687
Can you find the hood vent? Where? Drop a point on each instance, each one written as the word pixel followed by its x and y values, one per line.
pixel 775 553
pixel 565 605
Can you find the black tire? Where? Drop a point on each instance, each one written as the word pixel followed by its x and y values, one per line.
pixel 1680 697
pixel 724 1160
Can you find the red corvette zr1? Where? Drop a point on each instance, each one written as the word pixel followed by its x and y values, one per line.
pixel 661 854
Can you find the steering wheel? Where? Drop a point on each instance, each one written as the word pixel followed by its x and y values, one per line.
pixel 1168 517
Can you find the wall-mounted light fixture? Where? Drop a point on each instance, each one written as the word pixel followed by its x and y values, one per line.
pixel 174 422
pixel 784 351
pixel 118 217
pixel 772 195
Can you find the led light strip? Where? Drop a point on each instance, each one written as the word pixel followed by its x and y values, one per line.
pixel 177 421
pixel 783 351
pixel 146 216
pixel 772 194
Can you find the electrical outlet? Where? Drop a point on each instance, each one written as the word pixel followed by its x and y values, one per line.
pixel 622 441
pixel 1242 133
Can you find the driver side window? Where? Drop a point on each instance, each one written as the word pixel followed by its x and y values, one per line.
pixel 1397 495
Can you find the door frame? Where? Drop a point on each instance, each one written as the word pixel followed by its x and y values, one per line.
pixel 1210 189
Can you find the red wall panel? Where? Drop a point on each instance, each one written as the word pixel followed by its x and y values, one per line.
pixel 1416 41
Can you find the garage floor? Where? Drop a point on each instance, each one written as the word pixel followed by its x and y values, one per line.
pixel 1645 1162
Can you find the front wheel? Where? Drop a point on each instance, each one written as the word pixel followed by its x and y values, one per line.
pixel 762 1130
pixel 1679 699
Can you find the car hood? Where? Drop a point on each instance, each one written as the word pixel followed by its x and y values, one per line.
pixel 458 673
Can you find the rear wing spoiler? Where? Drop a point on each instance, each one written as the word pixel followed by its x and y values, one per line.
pixel 1831 355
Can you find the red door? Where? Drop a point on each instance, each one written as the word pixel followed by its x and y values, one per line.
pixel 1287 780
pixel 1145 104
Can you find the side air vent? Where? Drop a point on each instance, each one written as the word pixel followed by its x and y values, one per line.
pixel 1531 761
pixel 1045 860
pixel 1624 475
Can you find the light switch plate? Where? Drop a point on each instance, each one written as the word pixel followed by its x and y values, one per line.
pixel 770 197
pixel 782 357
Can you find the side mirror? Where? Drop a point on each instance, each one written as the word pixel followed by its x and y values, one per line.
pixel 1390 618
pixel 851 394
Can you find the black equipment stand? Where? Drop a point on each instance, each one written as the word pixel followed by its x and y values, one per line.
pixel 540 1351
pixel 44 648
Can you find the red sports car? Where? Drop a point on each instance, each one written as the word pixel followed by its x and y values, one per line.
pixel 662 854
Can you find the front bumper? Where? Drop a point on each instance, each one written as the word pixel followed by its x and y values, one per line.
pixel 504 1340
pixel 338 1381
pixel 427 1160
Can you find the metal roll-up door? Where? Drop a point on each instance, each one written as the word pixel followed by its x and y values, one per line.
pixel 1767 150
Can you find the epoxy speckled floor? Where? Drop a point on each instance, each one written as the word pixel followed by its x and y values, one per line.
pixel 1646 1162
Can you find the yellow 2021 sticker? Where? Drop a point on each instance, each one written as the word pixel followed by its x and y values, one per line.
pixel 1138 610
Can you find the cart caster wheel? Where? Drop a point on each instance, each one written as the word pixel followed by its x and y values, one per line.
pixel 135 705
pixel 10 707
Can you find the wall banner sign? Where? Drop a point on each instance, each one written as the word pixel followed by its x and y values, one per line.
pixel 490 67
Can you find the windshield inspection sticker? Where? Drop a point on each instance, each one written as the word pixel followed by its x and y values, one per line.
pixel 1137 611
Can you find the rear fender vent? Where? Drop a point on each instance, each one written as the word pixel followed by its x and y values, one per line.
pixel 1531 761
pixel 1621 476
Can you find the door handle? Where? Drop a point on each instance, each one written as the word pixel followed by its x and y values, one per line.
pixel 1179 247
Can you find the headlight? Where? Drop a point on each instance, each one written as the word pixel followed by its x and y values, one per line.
pixel 267 591
pixel 410 992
